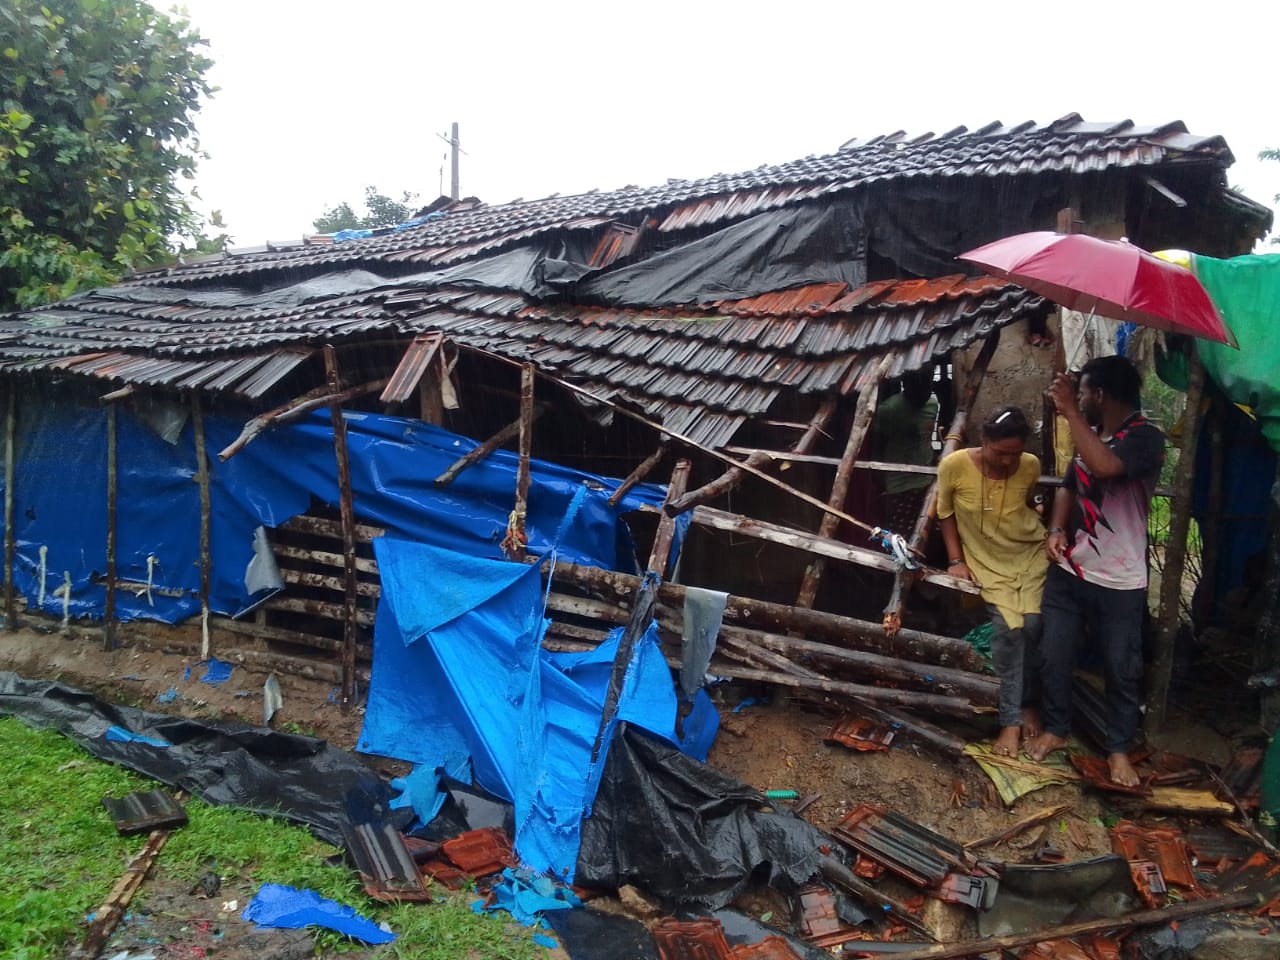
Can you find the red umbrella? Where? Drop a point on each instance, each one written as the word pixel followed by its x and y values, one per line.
pixel 1110 277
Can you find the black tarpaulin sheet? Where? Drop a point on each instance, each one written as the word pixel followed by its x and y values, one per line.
pixel 300 779
pixel 686 832
pixel 778 250
pixel 1037 896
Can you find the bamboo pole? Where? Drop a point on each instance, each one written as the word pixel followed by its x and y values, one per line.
pixel 1175 551
pixel 470 459
pixel 10 542
pixel 868 400
pixel 112 909
pixel 516 536
pixel 109 614
pixel 202 477
pixel 347 511
pixel 660 555
pixel 638 474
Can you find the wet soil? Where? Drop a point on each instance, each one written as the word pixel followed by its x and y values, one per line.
pixel 777 744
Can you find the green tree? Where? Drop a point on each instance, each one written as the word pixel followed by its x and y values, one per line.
pixel 1272 155
pixel 380 211
pixel 96 137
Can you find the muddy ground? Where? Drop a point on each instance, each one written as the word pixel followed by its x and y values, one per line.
pixel 774 744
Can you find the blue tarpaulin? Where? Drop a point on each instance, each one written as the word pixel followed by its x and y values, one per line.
pixel 60 503
pixel 459 668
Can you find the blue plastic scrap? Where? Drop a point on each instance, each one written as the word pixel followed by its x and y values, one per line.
pixel 217 671
pixel 287 907
pixel 168 696
pixel 526 896
pixel 121 735
pixel 421 791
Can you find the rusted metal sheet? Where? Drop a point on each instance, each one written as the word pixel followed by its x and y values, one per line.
pixel 382 858
pixel 144 811
pixel 417 358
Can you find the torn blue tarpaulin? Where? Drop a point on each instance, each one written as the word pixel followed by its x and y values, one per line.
pixel 420 790
pixel 119 734
pixel 60 524
pixel 458 667
pixel 216 671
pixel 527 896
pixel 280 906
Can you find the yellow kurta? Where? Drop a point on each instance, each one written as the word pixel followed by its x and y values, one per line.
pixel 1002 537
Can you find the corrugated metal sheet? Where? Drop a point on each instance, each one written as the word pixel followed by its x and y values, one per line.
pixel 701 372
pixel 1068 145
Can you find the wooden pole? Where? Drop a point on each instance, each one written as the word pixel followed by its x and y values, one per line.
pixel 847 632
pixel 10 435
pixel 109 626
pixel 516 536
pixel 1146 918
pixel 202 477
pixel 868 400
pixel 732 478
pixel 638 474
pixel 660 554
pixel 507 433
pixel 296 408
pixel 1175 551
pixel 347 510
pixel 112 909
pixel 1212 531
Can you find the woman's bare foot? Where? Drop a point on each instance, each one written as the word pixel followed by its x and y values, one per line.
pixel 1043 745
pixel 1031 723
pixel 1122 771
pixel 1006 744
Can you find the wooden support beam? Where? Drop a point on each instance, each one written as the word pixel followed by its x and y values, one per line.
pixel 1081 928
pixel 296 408
pixel 202 478
pixel 322 556
pixel 324 527
pixel 109 613
pixel 732 478
pixel 517 539
pixel 638 474
pixel 1175 550
pixel 508 433
pixel 10 542
pixel 904 579
pixel 832 549
pixel 661 552
pixel 347 510
pixel 868 400
pixel 844 632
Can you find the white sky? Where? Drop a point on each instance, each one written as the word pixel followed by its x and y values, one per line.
pixel 320 98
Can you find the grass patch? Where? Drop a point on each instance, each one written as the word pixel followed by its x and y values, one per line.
pixel 60 856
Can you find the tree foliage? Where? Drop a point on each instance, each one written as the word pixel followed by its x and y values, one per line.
pixel 380 211
pixel 1272 155
pixel 96 138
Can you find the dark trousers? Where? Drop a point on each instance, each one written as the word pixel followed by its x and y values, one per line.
pixel 1113 619
pixel 1015 655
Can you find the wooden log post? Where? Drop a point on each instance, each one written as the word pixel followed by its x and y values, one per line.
pixel 10 471
pixel 109 613
pixel 732 478
pixel 904 579
pixel 516 539
pixel 508 433
pixel 865 411
pixel 638 474
pixel 202 478
pixel 661 552
pixel 295 409
pixel 1175 551
pixel 347 512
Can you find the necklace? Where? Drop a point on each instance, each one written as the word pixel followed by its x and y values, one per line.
pixel 987 506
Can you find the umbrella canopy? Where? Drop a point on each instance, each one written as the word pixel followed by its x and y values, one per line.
pixel 1110 277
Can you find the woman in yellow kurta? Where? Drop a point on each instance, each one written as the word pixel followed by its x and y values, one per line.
pixel 996 538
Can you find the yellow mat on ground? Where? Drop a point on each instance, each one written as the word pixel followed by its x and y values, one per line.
pixel 1015 777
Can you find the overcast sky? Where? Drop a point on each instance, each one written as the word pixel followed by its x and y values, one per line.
pixel 319 99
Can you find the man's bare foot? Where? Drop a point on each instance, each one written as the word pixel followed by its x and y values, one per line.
pixel 1043 745
pixel 1122 771
pixel 1006 744
pixel 1031 723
